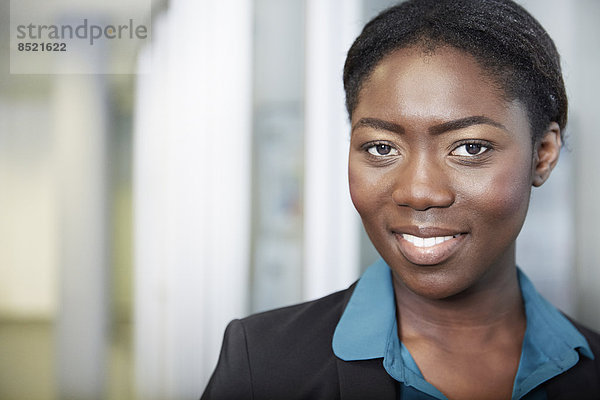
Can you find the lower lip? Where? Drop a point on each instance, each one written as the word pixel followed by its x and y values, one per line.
pixel 429 255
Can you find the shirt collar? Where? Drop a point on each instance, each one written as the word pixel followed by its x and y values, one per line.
pixel 550 346
pixel 363 330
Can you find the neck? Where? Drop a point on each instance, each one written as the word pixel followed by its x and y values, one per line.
pixel 477 316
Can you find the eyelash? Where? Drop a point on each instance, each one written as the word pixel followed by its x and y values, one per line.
pixel 373 145
pixel 484 144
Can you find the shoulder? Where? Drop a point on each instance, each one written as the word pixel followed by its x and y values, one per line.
pixel 298 333
pixel 309 318
pixel 592 337
pixel 282 353
pixel 583 380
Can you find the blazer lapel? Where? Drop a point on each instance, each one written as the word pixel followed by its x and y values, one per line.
pixel 366 379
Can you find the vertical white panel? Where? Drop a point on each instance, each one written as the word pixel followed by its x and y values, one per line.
pixel 150 218
pixel 81 327
pixel 192 197
pixel 586 142
pixel 331 224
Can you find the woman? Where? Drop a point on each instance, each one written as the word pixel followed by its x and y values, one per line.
pixel 457 109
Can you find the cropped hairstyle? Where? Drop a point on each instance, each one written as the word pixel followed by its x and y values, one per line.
pixel 510 45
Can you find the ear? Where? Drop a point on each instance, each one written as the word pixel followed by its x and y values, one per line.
pixel 545 156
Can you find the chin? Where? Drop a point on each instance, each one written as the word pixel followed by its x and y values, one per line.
pixel 435 290
pixel 433 282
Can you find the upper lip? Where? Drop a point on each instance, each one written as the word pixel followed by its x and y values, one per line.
pixel 427 231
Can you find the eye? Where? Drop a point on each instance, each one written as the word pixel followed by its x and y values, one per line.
pixel 470 150
pixel 382 150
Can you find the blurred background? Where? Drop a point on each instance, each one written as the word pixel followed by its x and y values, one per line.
pixel 142 211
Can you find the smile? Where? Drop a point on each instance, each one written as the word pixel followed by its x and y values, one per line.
pixel 428 241
pixel 429 250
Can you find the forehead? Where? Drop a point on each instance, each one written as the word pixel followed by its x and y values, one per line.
pixel 445 83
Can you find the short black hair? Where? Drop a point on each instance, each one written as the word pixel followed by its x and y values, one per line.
pixel 504 38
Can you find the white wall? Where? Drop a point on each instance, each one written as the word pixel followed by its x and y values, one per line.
pixel 331 230
pixel 191 193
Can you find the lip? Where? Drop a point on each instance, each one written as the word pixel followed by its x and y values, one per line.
pixel 432 254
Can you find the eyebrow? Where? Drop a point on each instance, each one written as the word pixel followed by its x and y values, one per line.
pixel 463 123
pixel 379 125
pixel 456 124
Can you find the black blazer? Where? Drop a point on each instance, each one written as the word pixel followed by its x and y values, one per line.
pixel 286 354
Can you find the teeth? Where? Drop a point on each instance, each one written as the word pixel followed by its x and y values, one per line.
pixel 426 242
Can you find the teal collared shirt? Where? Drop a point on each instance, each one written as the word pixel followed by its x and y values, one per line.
pixel 368 329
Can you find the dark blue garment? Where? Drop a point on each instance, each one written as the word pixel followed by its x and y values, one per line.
pixel 368 330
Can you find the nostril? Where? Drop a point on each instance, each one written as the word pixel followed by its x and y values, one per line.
pixel 422 196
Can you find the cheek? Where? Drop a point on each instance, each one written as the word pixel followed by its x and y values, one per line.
pixel 503 195
pixel 358 190
pixel 368 187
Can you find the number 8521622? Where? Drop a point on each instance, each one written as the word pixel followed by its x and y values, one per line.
pixel 42 46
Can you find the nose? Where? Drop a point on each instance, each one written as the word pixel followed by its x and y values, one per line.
pixel 421 184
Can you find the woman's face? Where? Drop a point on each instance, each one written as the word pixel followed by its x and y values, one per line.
pixel 440 170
